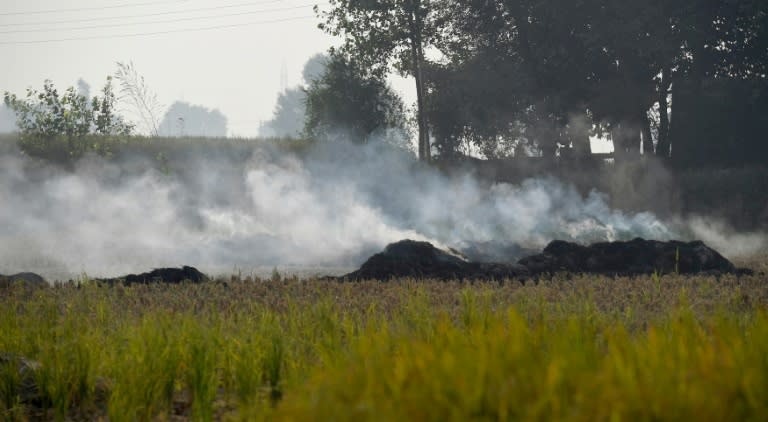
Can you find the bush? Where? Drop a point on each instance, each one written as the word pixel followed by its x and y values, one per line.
pixel 56 125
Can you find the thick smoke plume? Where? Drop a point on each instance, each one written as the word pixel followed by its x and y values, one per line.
pixel 325 209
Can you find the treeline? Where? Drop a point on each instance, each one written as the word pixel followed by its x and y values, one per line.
pixel 684 80
pixel 63 125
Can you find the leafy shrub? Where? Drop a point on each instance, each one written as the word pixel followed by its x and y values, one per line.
pixel 56 125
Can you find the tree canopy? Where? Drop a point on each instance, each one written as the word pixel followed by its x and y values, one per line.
pixel 184 119
pixel 543 76
pixel 390 34
pixel 290 109
pixel 348 102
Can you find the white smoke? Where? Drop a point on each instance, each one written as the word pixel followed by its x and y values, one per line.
pixel 719 236
pixel 330 208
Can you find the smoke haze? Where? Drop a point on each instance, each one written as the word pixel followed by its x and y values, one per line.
pixel 325 210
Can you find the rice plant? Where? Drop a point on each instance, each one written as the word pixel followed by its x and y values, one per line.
pixel 567 348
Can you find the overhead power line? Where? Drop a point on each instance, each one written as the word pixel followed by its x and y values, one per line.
pixel 84 9
pixel 144 15
pixel 144 34
pixel 193 18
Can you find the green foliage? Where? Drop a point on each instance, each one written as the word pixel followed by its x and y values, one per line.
pixel 10 386
pixel 202 376
pixel 381 33
pixel 276 276
pixel 48 114
pixel 57 125
pixel 347 101
pixel 384 34
pixel 541 73
pixel 272 365
pixel 476 105
pixel 145 378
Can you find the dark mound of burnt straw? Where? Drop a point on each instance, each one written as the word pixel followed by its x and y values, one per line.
pixel 161 275
pixel 633 257
pixel 30 279
pixel 409 258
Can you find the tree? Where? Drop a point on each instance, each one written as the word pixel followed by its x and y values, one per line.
pixel 477 106
pixel 381 34
pixel 726 61
pixel 314 68
pixel 83 88
pixel 687 51
pixel 106 121
pixel 519 73
pixel 184 119
pixel 55 124
pixel 347 102
pixel 289 115
pixel 615 63
pixel 546 74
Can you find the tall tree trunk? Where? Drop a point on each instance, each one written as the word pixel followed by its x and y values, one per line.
pixel 417 57
pixel 645 124
pixel 420 100
pixel 662 148
pixel 423 140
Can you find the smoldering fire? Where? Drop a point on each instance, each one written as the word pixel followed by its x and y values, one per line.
pixel 329 207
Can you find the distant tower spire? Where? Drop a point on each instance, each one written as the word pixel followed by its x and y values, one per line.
pixel 283 77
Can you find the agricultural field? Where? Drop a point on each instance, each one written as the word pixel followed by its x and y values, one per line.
pixel 564 348
pixel 453 211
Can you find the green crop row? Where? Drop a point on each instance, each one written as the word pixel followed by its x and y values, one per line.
pixel 583 348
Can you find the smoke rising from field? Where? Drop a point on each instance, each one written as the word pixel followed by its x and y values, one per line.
pixel 330 208
pixel 717 235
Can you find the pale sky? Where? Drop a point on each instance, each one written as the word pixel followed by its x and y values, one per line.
pixel 235 69
pixel 228 55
